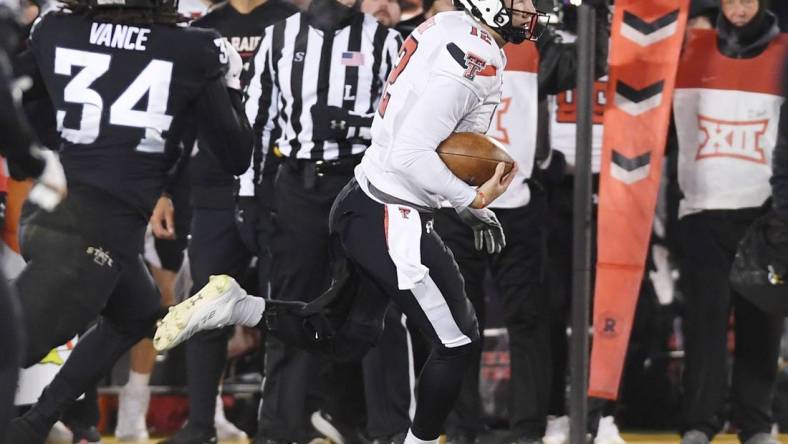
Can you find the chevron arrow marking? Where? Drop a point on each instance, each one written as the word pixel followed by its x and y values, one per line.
pixel 638 101
pixel 648 33
pixel 630 169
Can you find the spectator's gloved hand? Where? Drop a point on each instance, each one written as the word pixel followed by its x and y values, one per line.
pixel 50 187
pixel 335 123
pixel 486 229
pixel 247 218
pixel 235 66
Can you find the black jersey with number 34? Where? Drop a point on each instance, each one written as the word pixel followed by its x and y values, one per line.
pixel 118 91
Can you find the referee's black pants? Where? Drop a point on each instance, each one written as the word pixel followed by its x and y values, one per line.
pixel 84 260
pixel 10 349
pixel 301 271
pixel 709 240
pixel 215 248
pixel 437 305
pixel 519 273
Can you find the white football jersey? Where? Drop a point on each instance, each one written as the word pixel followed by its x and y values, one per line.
pixel 447 78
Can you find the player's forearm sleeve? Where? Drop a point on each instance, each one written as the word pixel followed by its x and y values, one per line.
pixel 224 126
pixel 432 118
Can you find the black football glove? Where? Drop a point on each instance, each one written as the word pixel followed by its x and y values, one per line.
pixel 486 229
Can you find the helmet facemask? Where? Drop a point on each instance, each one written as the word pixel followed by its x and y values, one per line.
pixel 500 17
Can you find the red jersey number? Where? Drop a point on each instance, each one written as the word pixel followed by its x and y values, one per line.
pixel 408 48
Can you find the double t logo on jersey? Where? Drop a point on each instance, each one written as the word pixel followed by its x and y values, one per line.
pixel 472 63
pixel 736 139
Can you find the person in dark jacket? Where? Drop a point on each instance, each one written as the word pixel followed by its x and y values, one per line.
pixel 723 193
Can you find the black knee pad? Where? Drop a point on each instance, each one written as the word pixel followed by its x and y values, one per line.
pixel 63 288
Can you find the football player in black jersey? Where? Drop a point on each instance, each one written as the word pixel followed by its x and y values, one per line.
pixel 122 77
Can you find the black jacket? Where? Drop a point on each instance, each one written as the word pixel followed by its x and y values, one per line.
pixel 558 59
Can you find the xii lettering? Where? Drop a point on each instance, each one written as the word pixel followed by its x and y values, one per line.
pixel 726 138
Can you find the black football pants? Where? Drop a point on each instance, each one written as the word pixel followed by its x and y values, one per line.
pixel 437 306
pixel 709 240
pixel 293 387
pixel 215 248
pixel 519 273
pixel 84 260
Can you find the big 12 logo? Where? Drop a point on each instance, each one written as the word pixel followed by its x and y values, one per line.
pixel 726 138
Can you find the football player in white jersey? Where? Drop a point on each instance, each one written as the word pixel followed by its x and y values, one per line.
pixel 447 79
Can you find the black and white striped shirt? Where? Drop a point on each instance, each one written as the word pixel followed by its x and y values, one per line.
pixel 297 67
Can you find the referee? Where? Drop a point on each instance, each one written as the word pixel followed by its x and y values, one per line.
pixel 314 85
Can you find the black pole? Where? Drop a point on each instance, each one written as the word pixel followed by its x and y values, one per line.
pixel 581 254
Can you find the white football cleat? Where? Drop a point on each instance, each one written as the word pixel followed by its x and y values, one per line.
pixel 132 409
pixel 212 307
pixel 607 433
pixel 557 431
pixel 225 430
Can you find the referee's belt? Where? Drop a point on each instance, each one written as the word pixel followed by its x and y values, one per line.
pixel 319 168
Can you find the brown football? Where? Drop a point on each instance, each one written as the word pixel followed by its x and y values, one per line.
pixel 473 157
